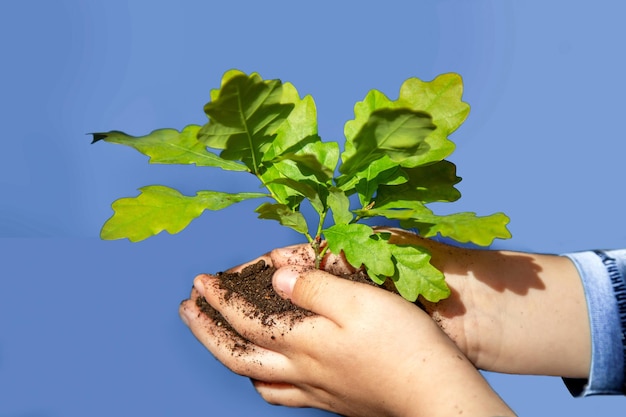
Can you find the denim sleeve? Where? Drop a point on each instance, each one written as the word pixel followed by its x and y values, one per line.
pixel 603 275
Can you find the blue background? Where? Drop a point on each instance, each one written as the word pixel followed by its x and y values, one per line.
pixel 90 328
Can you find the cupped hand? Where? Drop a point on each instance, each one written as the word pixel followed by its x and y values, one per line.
pixel 365 352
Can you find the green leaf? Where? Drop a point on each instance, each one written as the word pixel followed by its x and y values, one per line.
pixel 308 165
pixel 441 98
pixel 377 177
pixel 463 227
pixel 361 246
pixel 397 210
pixel 374 100
pixel 159 208
pixel 396 133
pixel 228 75
pixel 244 118
pixel 291 178
pixel 284 215
pixel 429 183
pixel 303 189
pixel 319 159
pixel 169 146
pixel 416 276
pixel 370 173
pixel 339 204
pixel 299 128
pixel 280 192
pixel 311 166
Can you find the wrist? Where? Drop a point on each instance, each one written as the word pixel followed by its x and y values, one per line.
pixel 517 312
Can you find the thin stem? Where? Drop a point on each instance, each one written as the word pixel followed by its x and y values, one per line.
pixel 319 253
pixel 267 187
pixel 320 225
pixel 323 252
pixel 365 208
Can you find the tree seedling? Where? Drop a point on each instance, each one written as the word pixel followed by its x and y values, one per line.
pixel 392 165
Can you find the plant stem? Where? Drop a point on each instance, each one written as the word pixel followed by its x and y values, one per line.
pixel 320 225
pixel 319 253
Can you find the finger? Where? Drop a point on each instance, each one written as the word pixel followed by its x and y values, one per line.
pixel 336 264
pixel 265 258
pixel 267 331
pixel 322 293
pixel 277 393
pixel 399 236
pixel 239 355
pixel 194 293
pixel 293 255
pixel 304 255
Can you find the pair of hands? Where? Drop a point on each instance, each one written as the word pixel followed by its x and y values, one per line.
pixel 368 352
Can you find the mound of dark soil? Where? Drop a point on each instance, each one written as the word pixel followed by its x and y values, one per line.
pixel 254 285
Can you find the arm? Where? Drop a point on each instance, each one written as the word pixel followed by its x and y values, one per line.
pixel 513 312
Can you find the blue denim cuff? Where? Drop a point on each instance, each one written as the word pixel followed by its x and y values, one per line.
pixel 603 275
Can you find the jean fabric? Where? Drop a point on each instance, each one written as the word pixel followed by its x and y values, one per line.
pixel 603 275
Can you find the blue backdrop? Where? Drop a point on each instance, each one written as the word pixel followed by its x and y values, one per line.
pixel 90 328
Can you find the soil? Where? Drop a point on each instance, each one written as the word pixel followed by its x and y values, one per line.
pixel 254 285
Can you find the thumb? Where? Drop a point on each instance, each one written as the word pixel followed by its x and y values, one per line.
pixel 318 291
pixel 284 279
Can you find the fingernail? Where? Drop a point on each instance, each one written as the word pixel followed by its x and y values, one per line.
pixel 284 280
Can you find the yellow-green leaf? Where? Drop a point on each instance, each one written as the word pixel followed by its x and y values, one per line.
pixel 463 227
pixel 416 276
pixel 441 98
pixel 429 183
pixel 169 146
pixel 396 133
pixel 284 215
pixel 361 246
pixel 159 208
pixel 244 118
pixel 339 204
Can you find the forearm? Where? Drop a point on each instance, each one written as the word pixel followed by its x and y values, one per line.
pixel 536 306
pixel 513 312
